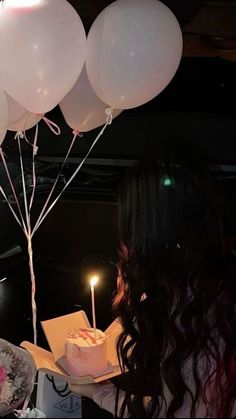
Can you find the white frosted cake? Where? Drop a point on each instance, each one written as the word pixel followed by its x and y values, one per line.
pixel 86 352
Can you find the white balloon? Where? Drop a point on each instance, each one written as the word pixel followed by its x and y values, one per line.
pixel 134 50
pixel 42 50
pixel 82 109
pixel 4 114
pixel 19 118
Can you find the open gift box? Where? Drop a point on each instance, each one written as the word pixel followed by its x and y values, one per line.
pixel 54 362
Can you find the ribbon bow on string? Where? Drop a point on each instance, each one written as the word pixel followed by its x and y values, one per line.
pixel 53 127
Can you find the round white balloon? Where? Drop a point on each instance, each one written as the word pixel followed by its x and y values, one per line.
pixel 134 50
pixel 42 50
pixel 19 118
pixel 4 115
pixel 81 107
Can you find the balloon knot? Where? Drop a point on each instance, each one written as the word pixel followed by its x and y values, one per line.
pixel 19 135
pixel 109 113
pixel 77 133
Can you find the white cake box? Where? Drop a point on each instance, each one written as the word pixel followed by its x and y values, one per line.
pixel 54 362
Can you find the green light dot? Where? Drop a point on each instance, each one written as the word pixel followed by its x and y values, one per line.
pixel 167 181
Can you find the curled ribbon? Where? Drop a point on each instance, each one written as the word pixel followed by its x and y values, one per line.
pixel 22 136
pixel 53 127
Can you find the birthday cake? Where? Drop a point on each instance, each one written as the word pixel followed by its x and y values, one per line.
pixel 86 352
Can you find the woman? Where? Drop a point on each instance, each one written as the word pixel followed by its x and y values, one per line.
pixel 176 295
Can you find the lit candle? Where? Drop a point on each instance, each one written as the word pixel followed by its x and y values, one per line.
pixel 93 282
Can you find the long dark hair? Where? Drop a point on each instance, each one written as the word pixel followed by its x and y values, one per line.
pixel 176 295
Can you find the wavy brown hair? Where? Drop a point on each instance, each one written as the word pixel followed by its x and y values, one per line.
pixel 175 229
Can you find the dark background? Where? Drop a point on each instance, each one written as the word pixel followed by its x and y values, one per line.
pixel 79 237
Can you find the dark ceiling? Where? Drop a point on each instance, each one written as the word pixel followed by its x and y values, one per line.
pixel 184 10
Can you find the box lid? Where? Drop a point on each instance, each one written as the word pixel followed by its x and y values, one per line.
pixel 45 362
pixel 56 330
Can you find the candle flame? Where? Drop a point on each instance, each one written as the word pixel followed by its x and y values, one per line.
pixel 94 280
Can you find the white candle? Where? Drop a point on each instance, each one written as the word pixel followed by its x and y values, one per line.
pixel 93 282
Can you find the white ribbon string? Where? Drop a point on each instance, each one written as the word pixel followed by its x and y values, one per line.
pixel 11 208
pixel 34 145
pixel 26 226
pixel 26 223
pixel 30 249
pixel 109 121
pixel 24 189
pixel 33 288
pixel 53 127
pixel 76 134
pixel 35 150
pixel 22 223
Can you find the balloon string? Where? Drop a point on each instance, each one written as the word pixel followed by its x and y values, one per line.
pixel 24 189
pixel 33 288
pixel 76 134
pixel 25 226
pixel 11 208
pixel 28 235
pixel 28 232
pixel 35 150
pixel 53 127
pixel 22 223
pixel 108 122
pixel 22 135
